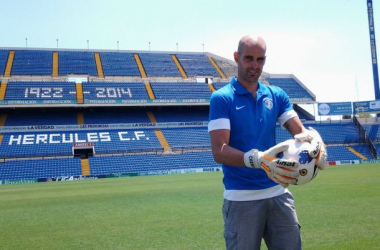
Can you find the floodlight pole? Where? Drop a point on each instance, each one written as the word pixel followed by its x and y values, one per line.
pixel 373 49
pixel 26 42
pixel 177 46
pixel 117 45
pixel 57 43
pixel 88 44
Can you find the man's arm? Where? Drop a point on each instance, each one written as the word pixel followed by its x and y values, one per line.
pixel 294 126
pixel 230 156
pixel 222 152
pixel 279 170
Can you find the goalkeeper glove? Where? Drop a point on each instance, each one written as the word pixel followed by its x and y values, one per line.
pixel 281 171
pixel 319 149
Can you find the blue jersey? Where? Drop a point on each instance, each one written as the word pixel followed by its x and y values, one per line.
pixel 252 125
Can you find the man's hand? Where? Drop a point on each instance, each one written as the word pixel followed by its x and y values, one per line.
pixel 319 149
pixel 279 170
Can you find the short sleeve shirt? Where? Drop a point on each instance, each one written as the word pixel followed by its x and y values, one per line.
pixel 252 125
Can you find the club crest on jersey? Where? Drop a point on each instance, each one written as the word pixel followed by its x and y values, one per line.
pixel 268 103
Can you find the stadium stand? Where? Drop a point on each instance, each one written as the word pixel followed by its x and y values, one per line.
pixel 377 147
pixel 295 91
pixel 343 133
pixel 373 134
pixel 119 64
pixel 363 150
pixel 372 131
pixel 42 117
pixel 341 153
pixel 3 60
pixel 51 92
pixel 77 62
pixel 182 114
pixel 159 65
pixel 291 87
pixel 38 168
pixel 187 138
pixel 180 90
pixel 196 65
pixel 115 116
pixel 142 112
pixel 32 62
pixel 229 68
pixel 103 91
pixel 218 85
pixel 339 137
pixel 39 144
pixel 151 162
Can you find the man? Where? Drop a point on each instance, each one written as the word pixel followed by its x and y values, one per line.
pixel 242 125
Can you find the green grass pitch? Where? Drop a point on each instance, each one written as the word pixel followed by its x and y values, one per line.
pixel 340 209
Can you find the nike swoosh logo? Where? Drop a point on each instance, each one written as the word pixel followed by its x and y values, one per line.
pixel 237 108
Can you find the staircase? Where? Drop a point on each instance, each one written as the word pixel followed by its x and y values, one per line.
pixel 8 67
pixel 140 66
pixel 211 87
pixel 220 72
pixel 80 118
pixel 357 153
pixel 149 90
pixel 3 119
pixel 3 90
pixel 151 116
pixel 160 136
pixel 79 89
pixel 179 66
pixel 99 66
pixel 55 65
pixel 85 165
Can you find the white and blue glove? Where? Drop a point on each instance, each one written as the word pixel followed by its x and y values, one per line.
pixel 319 148
pixel 282 171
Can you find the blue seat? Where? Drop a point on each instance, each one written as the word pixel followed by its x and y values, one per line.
pixel 77 62
pixel 159 64
pixel 180 90
pixel 119 64
pixel 3 60
pixel 291 87
pixel 151 162
pixel 46 168
pixel 32 62
pixel 196 64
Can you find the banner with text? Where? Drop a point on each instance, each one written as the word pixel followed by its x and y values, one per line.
pixel 13 129
pixel 84 177
pixel 367 107
pixel 335 108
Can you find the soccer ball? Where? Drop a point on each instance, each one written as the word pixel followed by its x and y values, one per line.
pixel 299 151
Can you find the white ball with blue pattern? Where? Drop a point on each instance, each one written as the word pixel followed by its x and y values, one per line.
pixel 299 151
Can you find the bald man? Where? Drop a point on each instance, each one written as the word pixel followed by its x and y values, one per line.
pixel 242 127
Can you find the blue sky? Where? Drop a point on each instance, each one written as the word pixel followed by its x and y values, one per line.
pixel 324 43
